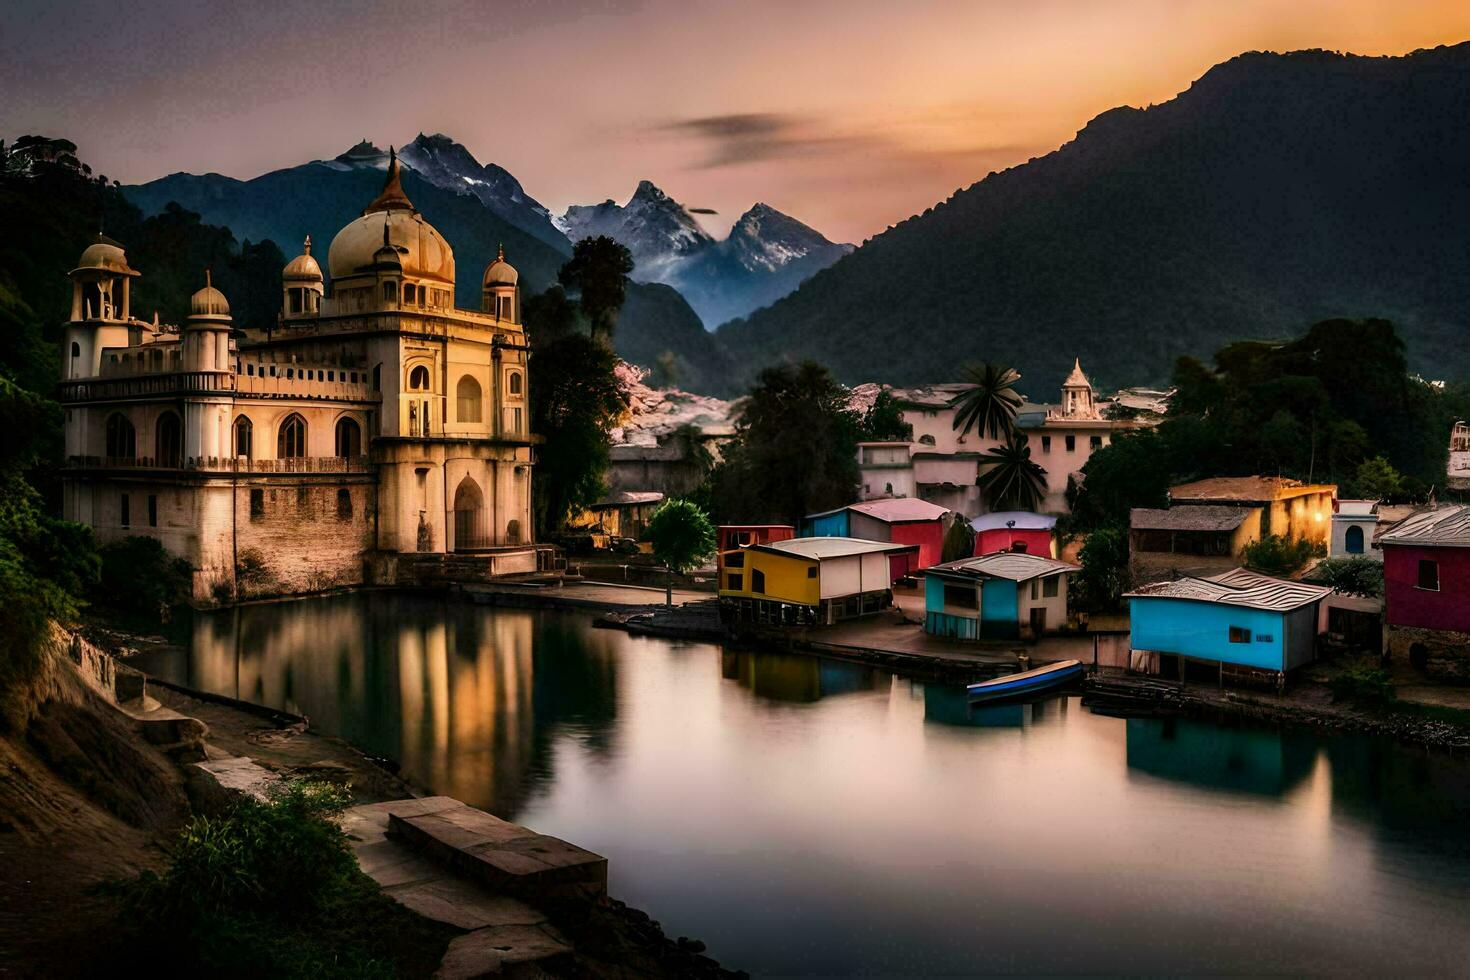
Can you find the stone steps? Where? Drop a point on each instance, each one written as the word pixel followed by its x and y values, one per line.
pixel 505 935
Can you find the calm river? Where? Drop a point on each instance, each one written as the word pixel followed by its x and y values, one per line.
pixel 808 817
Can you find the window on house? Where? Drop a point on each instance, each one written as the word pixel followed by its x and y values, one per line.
pixel 1239 634
pixel 811 571
pixel 1035 589
pixel 1049 587
pixel 153 510
pixel 390 292
pixel 1071 444
pixel 735 581
pixel 515 382
pixel 1046 444
pixel 418 379
pixel 735 560
pixel 349 438
pixel 257 504
pixel 515 421
pixel 122 441
pixel 1094 443
pixel 410 294
pixel 124 513
pixel 1353 540
pixel 758 581
pixel 959 595
pixel 1429 574
pixel 169 440
pixel 244 437
pixel 377 377
pixel 926 439
pixel 344 504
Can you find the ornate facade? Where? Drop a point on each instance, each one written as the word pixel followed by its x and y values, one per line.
pixel 373 420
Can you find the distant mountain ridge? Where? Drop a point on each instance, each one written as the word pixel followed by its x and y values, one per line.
pixel 1276 191
pixel 766 255
pixel 320 197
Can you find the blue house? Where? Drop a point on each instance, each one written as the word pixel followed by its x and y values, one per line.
pixel 995 596
pixel 1237 619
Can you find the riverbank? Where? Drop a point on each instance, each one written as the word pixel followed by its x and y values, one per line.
pixel 101 770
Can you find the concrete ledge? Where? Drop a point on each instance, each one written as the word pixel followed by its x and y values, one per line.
pixel 217 783
pixel 504 856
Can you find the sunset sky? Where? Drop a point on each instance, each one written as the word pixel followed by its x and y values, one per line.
pixel 848 114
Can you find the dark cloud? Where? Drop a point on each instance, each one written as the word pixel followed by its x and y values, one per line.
pixel 747 136
pixel 701 210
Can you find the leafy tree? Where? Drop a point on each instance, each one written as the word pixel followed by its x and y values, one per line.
pixel 1275 555
pixel 682 537
pixel 1358 575
pixel 959 540
pixel 1011 480
pixel 598 272
pixel 576 400
pixel 1376 479
pixel 549 316
pixel 990 405
pixel 141 579
pixel 883 421
pixel 1105 574
pixel 794 450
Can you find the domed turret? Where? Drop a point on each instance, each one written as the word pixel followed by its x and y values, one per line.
pixel 498 292
pixel 302 283
pixel 206 335
pixel 105 256
pixel 208 303
pixel 422 253
pixel 99 307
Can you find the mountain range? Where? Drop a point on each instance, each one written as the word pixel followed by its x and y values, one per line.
pixel 766 255
pixel 1277 191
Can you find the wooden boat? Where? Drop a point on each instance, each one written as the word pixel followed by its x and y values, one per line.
pixel 1027 682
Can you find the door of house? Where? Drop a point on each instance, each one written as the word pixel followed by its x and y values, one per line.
pixel 1038 621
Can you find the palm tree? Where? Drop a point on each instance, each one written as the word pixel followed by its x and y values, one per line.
pixel 1013 481
pixel 990 405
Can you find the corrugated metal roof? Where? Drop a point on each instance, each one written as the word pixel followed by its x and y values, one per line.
pixel 891 510
pixel 1013 565
pixel 624 498
pixel 822 549
pixel 1448 526
pixel 1238 587
pixel 1024 520
pixel 1196 517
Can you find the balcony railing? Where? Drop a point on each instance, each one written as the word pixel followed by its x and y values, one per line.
pixel 179 382
pixel 227 464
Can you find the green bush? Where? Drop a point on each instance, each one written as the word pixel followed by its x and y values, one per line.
pixel 273 889
pixel 141 578
pixel 1275 555
pixel 1363 684
pixel 1357 575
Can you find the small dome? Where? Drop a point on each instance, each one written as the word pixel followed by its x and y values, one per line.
pixel 501 272
pixel 105 255
pixel 303 267
pixel 209 302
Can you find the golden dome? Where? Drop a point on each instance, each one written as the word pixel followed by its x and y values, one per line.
pixel 501 272
pixel 391 221
pixel 303 267
pixel 209 302
pixel 104 255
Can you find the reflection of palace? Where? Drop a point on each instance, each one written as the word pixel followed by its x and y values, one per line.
pixel 372 418
pixel 793 677
pixel 453 693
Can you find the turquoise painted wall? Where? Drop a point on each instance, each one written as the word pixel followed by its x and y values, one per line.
pixel 998 609
pixel 933 593
pixel 1201 629
pixel 827 526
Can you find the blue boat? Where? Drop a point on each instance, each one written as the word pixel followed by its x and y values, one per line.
pixel 1027 682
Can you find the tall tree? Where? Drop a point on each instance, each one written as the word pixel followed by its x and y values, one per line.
pixel 883 421
pixel 575 402
pixel 794 451
pixel 1011 480
pixel 990 404
pixel 598 273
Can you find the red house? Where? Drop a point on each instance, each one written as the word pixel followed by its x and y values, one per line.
pixel 899 520
pixel 1014 530
pixel 1426 589
pixel 733 537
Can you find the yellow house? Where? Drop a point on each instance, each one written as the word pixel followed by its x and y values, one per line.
pixel 807 581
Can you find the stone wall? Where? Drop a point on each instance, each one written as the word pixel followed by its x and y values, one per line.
pixel 1444 655
pixel 304 534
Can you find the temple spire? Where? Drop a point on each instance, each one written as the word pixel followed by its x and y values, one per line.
pixel 392 197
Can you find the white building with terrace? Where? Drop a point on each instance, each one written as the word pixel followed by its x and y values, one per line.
pixel 372 421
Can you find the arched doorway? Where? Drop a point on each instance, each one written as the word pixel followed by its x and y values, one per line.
pixel 169 442
pixel 471 529
pixel 1354 540
pixel 349 438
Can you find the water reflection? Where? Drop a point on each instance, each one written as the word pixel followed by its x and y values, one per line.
pixel 804 816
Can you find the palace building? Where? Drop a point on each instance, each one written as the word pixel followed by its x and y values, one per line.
pixel 367 435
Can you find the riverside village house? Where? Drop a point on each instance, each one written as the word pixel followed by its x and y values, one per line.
pixel 367 434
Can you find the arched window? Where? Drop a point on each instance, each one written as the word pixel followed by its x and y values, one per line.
pixel 244 437
pixel 418 379
pixel 926 440
pixel 169 447
pixel 122 442
pixel 349 438
pixel 291 440
pixel 390 292
pixel 515 382
pixel 1354 540
pixel 467 400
